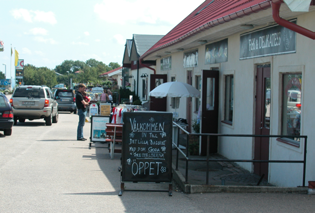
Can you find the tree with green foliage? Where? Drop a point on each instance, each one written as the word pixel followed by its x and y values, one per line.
pixel 39 76
pixel 113 65
pixel 2 76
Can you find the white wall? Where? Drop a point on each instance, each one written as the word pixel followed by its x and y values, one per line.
pixel 244 72
pixel 302 61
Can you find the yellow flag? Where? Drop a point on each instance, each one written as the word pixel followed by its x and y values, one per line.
pixel 16 58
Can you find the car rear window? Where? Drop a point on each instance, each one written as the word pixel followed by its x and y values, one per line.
pixel 65 94
pixel 29 92
pixel 3 102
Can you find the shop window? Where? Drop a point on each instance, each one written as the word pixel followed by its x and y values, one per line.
pixel 291 108
pixel 198 87
pixel 228 99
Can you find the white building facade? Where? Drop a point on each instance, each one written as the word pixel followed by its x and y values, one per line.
pixel 265 81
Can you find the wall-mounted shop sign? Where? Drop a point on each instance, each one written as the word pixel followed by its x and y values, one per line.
pixel 166 63
pixel 274 40
pixel 217 52
pixel 191 59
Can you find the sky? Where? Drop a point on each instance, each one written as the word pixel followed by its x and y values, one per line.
pixel 46 32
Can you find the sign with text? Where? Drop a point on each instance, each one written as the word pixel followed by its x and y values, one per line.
pixel 105 109
pixel 1 46
pixel 5 82
pixel 98 128
pixel 217 52
pixel 274 40
pixel 19 74
pixel 93 109
pixel 20 65
pixel 147 147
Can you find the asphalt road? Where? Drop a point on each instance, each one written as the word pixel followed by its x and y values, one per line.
pixel 44 169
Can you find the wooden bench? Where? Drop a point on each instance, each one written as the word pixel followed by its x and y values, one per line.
pixel 114 131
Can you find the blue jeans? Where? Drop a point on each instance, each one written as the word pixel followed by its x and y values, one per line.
pixel 82 116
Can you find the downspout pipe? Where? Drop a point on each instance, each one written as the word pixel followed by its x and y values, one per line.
pixel 141 64
pixel 138 67
pixel 292 26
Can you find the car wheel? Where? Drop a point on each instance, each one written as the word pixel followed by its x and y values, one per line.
pixel 55 118
pixel 75 111
pixel 7 131
pixel 48 120
pixel 15 120
pixel 22 120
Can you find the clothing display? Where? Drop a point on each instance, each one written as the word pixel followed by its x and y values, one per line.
pixel 118 112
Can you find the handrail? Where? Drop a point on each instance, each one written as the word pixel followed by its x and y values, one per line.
pixel 187 158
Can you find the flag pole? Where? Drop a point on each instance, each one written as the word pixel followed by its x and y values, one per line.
pixel 11 66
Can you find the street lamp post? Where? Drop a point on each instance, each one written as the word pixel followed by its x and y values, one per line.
pixel 5 67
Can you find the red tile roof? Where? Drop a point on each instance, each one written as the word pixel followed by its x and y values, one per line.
pixel 106 73
pixel 209 14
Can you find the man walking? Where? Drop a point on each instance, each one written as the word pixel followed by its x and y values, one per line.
pixel 81 106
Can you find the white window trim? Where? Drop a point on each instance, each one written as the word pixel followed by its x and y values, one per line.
pixel 223 122
pixel 290 70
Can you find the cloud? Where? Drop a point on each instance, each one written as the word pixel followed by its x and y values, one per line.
pixel 38 52
pixel 86 33
pixel 34 16
pixel 79 43
pixel 37 31
pixel 45 40
pixel 146 13
pixel 22 13
pixel 119 39
pixel 97 40
pixel 26 51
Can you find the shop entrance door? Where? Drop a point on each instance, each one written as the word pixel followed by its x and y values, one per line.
pixel 157 104
pixel 262 119
pixel 210 109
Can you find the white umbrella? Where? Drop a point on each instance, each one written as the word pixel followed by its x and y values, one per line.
pixel 175 89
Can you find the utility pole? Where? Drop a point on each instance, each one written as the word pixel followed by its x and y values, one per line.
pixel 5 68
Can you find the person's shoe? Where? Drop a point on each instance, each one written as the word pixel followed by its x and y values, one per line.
pixel 81 139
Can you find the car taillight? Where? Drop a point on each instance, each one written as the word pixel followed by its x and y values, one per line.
pixel 7 114
pixel 11 102
pixel 46 103
pixel 298 105
pixel 73 99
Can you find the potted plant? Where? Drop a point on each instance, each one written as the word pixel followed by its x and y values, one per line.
pixel 196 126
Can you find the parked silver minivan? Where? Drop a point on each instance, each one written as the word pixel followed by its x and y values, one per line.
pixel 34 102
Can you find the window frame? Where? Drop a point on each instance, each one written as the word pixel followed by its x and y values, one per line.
pixel 231 100
pixel 198 100
pixel 285 140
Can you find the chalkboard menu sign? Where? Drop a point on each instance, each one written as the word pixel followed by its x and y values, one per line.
pixel 147 147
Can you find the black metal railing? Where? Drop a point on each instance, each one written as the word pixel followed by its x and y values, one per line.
pixel 187 158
